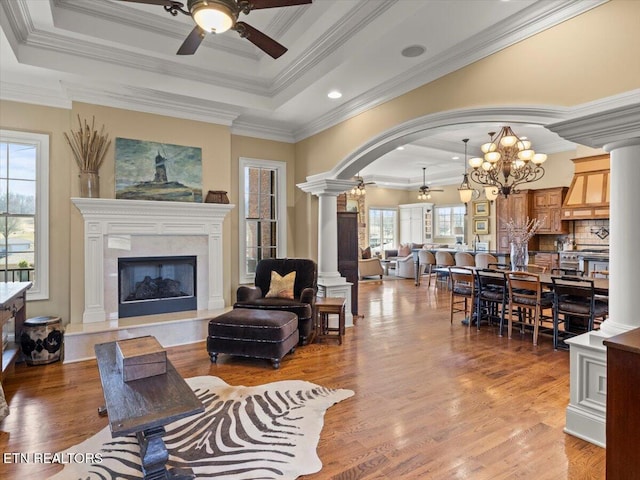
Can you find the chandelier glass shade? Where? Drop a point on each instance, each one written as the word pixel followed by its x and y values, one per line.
pixel 508 161
pixel 211 15
pixel 423 191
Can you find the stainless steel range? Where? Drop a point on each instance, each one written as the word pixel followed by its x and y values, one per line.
pixel 569 259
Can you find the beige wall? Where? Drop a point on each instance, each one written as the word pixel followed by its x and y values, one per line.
pixel 569 64
pixel 52 122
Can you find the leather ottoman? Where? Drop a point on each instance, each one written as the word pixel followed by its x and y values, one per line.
pixel 269 334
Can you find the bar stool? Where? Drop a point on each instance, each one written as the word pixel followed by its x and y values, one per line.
pixel 443 260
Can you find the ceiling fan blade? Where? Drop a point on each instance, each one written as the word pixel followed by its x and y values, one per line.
pixel 192 42
pixel 165 3
pixel 258 4
pixel 260 40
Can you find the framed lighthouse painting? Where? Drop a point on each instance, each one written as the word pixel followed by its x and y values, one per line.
pixel 157 171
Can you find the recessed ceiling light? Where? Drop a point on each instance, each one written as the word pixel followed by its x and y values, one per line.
pixel 455 158
pixel 413 51
pixel 334 94
pixel 400 148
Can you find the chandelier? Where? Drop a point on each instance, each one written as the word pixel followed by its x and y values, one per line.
pixel 423 192
pixel 508 161
pixel 358 190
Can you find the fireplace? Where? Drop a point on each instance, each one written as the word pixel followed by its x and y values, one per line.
pixel 152 285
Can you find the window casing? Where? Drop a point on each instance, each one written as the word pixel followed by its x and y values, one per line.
pixel 262 222
pixel 382 229
pixel 24 210
pixel 447 218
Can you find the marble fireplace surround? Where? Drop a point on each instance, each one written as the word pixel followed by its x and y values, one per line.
pixel 126 228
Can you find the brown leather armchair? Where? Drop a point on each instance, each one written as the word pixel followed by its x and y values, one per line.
pixel 304 291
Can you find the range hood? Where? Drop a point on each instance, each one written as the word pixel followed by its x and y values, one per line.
pixel 588 195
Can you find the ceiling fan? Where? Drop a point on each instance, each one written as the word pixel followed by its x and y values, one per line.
pixel 359 189
pixel 424 193
pixel 218 16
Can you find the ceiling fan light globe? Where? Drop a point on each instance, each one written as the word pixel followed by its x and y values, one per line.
pixel 212 16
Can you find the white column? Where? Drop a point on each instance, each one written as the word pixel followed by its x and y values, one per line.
pixel 330 282
pixel 617 130
pixel 328 235
pixel 624 228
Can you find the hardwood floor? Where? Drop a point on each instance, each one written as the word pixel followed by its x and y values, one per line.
pixel 432 400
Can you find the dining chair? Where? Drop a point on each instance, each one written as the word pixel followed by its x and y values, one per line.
pixel 462 294
pixel 427 261
pixel 526 297
pixel 575 300
pixel 443 261
pixel 483 260
pixel 464 259
pixel 564 272
pixel 491 296
pixel 499 266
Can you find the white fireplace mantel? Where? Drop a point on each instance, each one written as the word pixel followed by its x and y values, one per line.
pixel 111 217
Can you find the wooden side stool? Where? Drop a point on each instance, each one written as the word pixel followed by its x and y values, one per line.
pixel 326 306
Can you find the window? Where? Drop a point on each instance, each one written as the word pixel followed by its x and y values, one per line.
pixel 262 231
pixel 449 219
pixel 382 229
pixel 24 210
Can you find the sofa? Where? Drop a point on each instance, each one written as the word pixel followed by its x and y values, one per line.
pixel 300 300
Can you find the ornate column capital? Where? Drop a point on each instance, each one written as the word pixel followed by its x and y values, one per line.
pixel 326 186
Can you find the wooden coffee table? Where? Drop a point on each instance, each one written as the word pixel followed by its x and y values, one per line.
pixel 144 407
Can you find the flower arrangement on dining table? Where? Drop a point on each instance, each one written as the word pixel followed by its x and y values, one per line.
pixel 519 234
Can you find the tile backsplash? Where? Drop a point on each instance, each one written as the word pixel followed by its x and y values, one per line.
pixel 585 233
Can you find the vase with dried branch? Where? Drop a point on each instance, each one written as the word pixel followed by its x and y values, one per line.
pixel 519 235
pixel 89 148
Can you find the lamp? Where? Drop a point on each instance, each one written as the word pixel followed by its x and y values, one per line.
pixel 423 192
pixel 215 16
pixel 465 190
pixel 508 162
pixel 358 190
pixel 458 232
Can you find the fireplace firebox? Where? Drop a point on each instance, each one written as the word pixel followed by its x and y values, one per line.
pixel 152 285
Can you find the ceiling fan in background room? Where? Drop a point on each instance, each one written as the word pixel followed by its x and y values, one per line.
pixel 424 193
pixel 359 189
pixel 218 16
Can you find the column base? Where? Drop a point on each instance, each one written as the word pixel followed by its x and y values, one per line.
pixel 586 412
pixel 337 287
pixel 610 328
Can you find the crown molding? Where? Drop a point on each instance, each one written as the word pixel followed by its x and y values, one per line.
pixel 534 19
pixel 153 101
pixel 48 97
pixel 262 130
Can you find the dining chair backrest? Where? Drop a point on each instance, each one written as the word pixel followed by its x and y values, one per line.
pixel 484 259
pixel 464 259
pixel 444 259
pixel 573 289
pixel 425 257
pixel 462 281
pixel 524 288
pixel 573 272
pixel 491 279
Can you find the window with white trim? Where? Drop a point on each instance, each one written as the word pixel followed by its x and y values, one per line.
pixel 24 210
pixel 262 210
pixel 382 229
pixel 448 219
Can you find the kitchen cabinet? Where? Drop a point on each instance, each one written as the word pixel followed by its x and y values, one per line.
pixel 416 223
pixel 547 207
pixel 588 195
pixel 517 207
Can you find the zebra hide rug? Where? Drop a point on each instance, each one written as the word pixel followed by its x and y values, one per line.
pixel 266 432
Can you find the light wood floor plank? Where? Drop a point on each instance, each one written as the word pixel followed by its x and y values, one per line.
pixel 432 400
